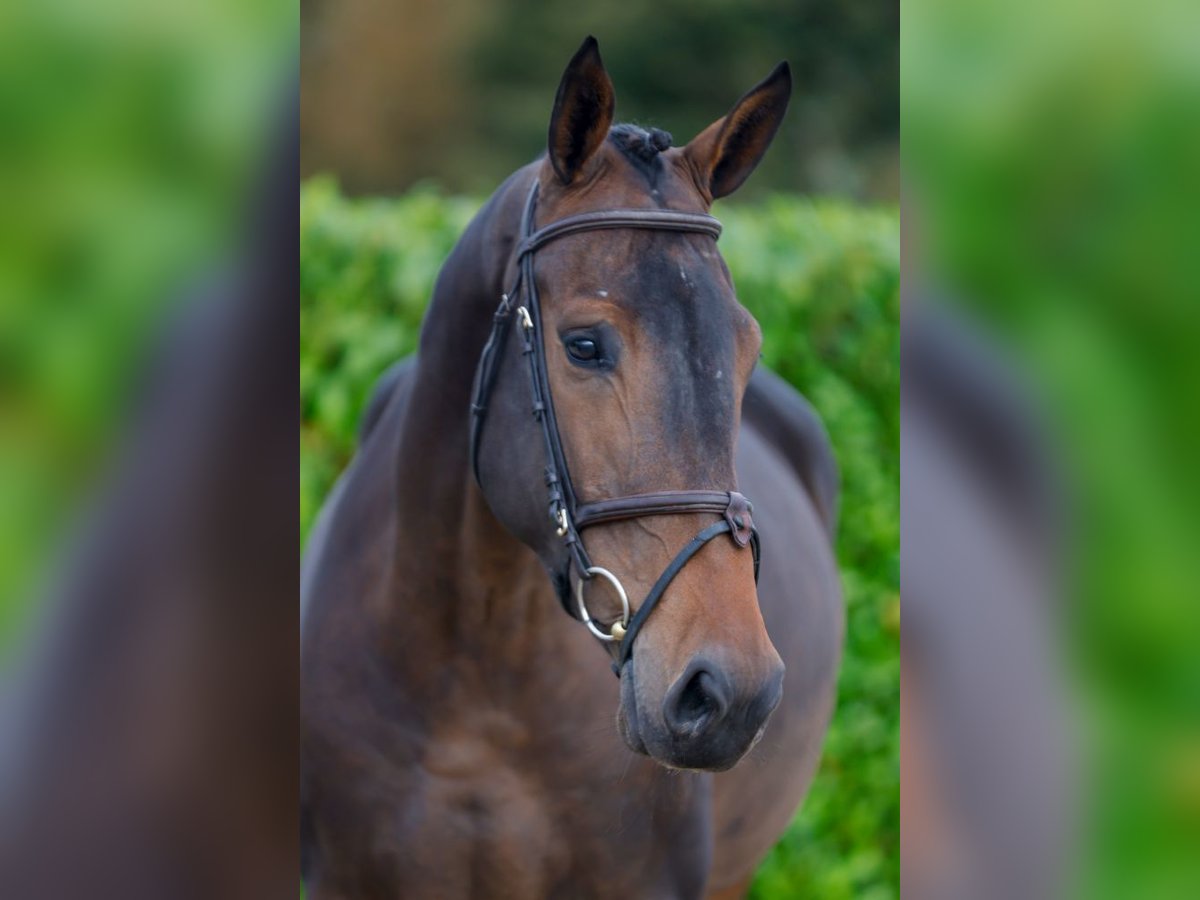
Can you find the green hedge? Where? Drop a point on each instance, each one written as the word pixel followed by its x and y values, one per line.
pixel 823 280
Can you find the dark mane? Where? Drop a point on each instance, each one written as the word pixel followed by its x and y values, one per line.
pixel 641 145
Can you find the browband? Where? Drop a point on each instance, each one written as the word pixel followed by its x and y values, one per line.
pixel 656 219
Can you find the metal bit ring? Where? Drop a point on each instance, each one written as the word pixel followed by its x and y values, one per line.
pixel 618 628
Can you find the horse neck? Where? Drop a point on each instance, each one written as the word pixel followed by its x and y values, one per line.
pixel 440 512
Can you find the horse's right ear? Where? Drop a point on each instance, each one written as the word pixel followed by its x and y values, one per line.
pixel 725 153
pixel 583 112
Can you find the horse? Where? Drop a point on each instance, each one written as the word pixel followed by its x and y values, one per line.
pixel 458 731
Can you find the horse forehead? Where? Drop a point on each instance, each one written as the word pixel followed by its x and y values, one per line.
pixel 630 261
pixel 680 301
pixel 670 283
pixel 626 184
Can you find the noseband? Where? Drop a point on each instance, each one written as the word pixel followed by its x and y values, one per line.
pixel 568 515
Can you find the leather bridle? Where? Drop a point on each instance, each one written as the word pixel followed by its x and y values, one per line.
pixel 568 515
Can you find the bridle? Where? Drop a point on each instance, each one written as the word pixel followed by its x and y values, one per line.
pixel 570 516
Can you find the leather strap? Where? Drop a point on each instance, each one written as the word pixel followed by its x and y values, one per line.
pixel 560 490
pixel 656 219
pixel 664 580
pixel 659 503
pixel 485 377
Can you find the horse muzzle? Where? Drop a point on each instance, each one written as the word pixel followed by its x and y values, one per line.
pixel 707 720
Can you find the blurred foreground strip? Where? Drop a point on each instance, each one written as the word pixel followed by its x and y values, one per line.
pixel 1051 500
pixel 147 338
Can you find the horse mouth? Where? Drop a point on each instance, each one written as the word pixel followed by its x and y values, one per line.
pixel 627 716
pixel 718 749
pixel 707 757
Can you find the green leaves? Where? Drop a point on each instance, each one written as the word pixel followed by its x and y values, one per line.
pixel 366 271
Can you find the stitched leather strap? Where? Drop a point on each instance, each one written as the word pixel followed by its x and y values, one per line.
pixel 656 219
pixel 485 376
pixel 659 503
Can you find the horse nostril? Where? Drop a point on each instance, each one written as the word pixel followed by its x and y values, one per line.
pixel 696 702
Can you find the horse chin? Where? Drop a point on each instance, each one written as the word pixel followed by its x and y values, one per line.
pixel 696 759
pixel 645 739
pixel 627 715
pixel 650 739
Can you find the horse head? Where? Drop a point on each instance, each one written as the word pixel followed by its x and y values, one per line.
pixel 646 353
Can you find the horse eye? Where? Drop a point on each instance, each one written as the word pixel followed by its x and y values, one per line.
pixel 583 349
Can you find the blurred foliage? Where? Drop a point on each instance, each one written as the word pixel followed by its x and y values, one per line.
pixel 823 280
pixel 128 139
pixel 1054 182
pixel 481 74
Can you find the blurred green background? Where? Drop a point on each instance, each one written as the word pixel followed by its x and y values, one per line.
pixel 1052 186
pixel 130 138
pixel 822 277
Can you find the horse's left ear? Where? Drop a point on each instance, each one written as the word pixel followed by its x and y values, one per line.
pixel 583 112
pixel 725 153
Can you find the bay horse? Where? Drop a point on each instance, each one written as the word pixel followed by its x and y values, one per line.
pixel 458 737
